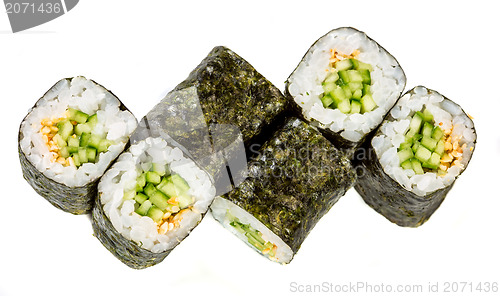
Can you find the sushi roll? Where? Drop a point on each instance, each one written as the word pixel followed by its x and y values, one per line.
pixel 69 138
pixel 345 85
pixel 296 177
pixel 406 170
pixel 149 201
pixel 226 107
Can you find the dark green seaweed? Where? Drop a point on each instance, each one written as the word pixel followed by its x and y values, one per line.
pixel 76 200
pixel 295 178
pixel 388 197
pixel 340 142
pixel 126 250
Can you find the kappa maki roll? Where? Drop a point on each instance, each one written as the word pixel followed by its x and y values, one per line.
pixel 149 201
pixel 296 177
pixel 69 138
pixel 415 156
pixel 345 84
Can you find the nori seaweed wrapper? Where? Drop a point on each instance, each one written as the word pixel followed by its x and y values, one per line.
pixel 295 178
pixel 125 250
pixel 72 199
pixel 386 196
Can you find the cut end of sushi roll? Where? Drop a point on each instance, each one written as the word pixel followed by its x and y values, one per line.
pixel 69 138
pixel 250 230
pixel 152 197
pixel 426 143
pixel 345 84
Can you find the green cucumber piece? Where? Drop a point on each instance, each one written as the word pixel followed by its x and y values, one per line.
pixel 92 121
pixel 415 146
pixel 82 154
pixel 366 89
pixel 338 95
pixel 416 166
pixel 82 128
pixel 429 143
pixel 144 208
pixel 355 76
pixel 140 198
pixel 364 66
pixel 343 78
pixel 427 115
pixel 344 106
pixel 64 152
pixel 357 94
pixel 84 139
pixel 180 184
pixel 406 164
pixel 149 189
pixel 129 195
pixel 155 213
pixel 141 180
pixel 331 78
pixel 256 235
pixel 72 149
pixel 73 142
pixel 404 155
pixel 104 145
pixel 423 154
pixel 440 147
pixel 345 64
pixel 65 129
pixel 160 169
pixel 237 226
pixel 427 129
pixel 185 200
pixel 437 133
pixel 153 177
pixel 365 76
pixel 167 187
pixel 354 86
pixel 405 145
pixel 329 87
pixel 326 100
pixel 77 115
pixel 94 141
pixel 59 141
pixel 91 154
pixel 433 162
pixel 76 160
pixel 367 103
pixel 355 107
pixel 415 124
pixel 159 199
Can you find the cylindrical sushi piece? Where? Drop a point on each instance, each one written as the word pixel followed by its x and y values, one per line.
pixel 345 85
pixel 69 138
pixel 149 201
pixel 406 170
pixel 294 179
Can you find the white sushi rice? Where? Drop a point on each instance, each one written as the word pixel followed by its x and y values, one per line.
pixel 392 134
pixel 221 206
pixel 87 96
pixel 388 81
pixel 122 176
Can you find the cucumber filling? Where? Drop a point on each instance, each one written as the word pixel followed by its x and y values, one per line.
pixel 71 140
pixel 347 86
pixel 161 195
pixel 427 148
pixel 254 237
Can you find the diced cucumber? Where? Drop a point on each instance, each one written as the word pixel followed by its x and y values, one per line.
pixel 91 154
pixel 180 184
pixel 329 87
pixel 77 115
pixel 167 187
pixel 155 213
pixel 326 100
pixel 257 236
pixel 76 160
pixel 405 145
pixel 94 141
pixel 331 78
pixel 404 155
pixel 355 106
pixel 144 208
pixel 129 195
pixel 92 121
pixel 82 128
pixel 63 151
pixel 354 86
pixel 185 200
pixel 355 76
pixel 347 91
pixel 365 76
pixel 345 64
pixel 433 162
pixel 338 95
pixel 357 94
pixel 406 164
pixel 416 166
pixel 73 142
pixel 84 139
pixel 140 198
pixel 428 143
pixel 440 147
pixel 367 103
pixel 72 149
pixel 415 124
pixel 366 89
pixel 104 145
pixel 437 133
pixel 415 146
pixel 65 129
pixel 427 129
pixel 254 242
pixel 141 180
pixel 355 63
pixel 59 141
pixel 344 106
pixel 237 226
pixel 343 78
pixel 149 189
pixel 160 169
pixel 159 199
pixel 423 154
pixel 153 177
pixel 427 115
pixel 364 66
pixel 82 154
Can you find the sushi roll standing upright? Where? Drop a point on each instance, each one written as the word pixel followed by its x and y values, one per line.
pixel 345 85
pixel 406 170
pixel 69 138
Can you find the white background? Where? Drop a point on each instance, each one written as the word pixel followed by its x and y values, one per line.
pixel 140 49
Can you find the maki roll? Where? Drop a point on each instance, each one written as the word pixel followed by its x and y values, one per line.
pixel 149 201
pixel 294 179
pixel 226 106
pixel 69 138
pixel 345 85
pixel 415 156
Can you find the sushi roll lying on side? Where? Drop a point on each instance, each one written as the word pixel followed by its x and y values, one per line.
pixel 69 138
pixel 345 85
pixel 296 177
pixel 149 201
pixel 415 156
